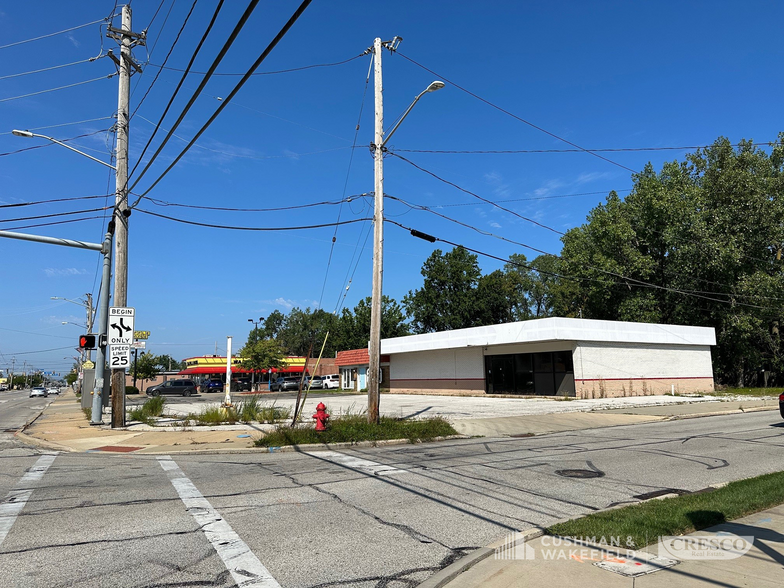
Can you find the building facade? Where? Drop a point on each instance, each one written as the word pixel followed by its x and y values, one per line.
pixel 580 358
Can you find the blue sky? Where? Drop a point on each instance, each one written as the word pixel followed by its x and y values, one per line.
pixel 598 74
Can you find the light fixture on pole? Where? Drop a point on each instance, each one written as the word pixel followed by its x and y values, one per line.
pixel 374 345
pixel 255 339
pixel 30 135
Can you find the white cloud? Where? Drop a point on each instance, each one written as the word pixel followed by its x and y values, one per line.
pixel 495 225
pixel 284 303
pixel 73 40
pixel 53 272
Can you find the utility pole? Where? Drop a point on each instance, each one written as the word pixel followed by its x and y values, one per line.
pixel 127 39
pixel 374 346
pixel 89 323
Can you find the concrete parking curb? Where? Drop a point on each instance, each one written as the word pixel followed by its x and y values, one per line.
pixel 349 445
pixel 680 417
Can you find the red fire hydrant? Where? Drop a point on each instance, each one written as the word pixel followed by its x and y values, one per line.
pixel 321 417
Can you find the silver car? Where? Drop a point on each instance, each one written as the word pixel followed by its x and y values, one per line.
pixel 38 391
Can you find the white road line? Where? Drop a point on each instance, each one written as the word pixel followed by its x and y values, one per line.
pixel 16 499
pixel 244 566
pixel 357 463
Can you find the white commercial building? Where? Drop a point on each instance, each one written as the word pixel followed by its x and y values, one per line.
pixel 554 357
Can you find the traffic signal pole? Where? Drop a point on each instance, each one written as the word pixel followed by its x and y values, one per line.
pixel 103 326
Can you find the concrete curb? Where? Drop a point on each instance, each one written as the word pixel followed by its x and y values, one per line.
pixel 349 444
pixel 36 442
pixel 452 571
pixel 679 417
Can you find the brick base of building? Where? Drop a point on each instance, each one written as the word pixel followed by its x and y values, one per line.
pixel 641 387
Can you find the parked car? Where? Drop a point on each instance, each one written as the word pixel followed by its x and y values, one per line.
pixel 331 381
pixel 241 385
pixel 781 405
pixel 38 391
pixel 3 387
pixel 313 382
pixel 282 384
pixel 183 387
pixel 211 385
pixel 55 391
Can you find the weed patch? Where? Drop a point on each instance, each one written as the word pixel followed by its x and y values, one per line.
pixel 147 411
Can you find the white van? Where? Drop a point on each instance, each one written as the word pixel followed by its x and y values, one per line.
pixel 331 381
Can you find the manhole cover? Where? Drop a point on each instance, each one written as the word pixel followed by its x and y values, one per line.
pixel 580 473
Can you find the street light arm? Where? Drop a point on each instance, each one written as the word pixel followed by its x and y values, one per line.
pixel 431 88
pixel 53 140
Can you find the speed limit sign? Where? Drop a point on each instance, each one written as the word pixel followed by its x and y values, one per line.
pixel 119 356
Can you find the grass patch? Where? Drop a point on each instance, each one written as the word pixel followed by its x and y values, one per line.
pixel 245 411
pixel 88 412
pixel 753 392
pixel 645 523
pixel 355 428
pixel 147 411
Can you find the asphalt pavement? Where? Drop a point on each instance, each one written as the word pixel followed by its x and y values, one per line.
pixel 382 516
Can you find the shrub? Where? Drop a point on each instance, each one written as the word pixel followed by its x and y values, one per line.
pixel 131 390
pixel 151 408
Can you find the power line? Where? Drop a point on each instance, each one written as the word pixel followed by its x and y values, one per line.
pixel 475 195
pixel 72 198
pixel 275 209
pixel 514 116
pixel 345 183
pixel 634 282
pixel 78 122
pixel 41 216
pixel 49 144
pixel 40 351
pixel 174 44
pixel 108 18
pixel 239 228
pixel 554 196
pixel 267 73
pixel 58 88
pixel 234 91
pixel 35 71
pixel 198 91
pixel 607 150
pixel 63 222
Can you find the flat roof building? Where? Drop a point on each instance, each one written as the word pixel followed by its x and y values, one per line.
pixel 554 357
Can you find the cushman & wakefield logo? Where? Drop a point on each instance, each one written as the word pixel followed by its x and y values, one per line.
pixel 722 546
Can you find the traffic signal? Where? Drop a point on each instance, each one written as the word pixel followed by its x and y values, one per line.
pixel 87 341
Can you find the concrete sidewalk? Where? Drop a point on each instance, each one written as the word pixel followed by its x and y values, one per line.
pixel 64 427
pixel 573 564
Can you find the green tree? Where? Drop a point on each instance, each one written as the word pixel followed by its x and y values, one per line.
pixel 354 328
pixel 303 328
pixel 262 354
pixel 696 243
pixel 168 364
pixel 71 377
pixel 272 325
pixel 146 366
pixel 448 297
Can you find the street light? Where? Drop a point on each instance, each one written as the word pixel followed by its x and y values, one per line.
pixel 374 345
pixel 77 324
pixel 255 328
pixel 30 135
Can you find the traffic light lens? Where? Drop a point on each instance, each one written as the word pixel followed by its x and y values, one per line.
pixel 87 341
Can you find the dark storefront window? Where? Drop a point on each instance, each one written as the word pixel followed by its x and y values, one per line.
pixel 546 373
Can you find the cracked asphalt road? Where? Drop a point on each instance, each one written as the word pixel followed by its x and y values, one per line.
pixel 99 519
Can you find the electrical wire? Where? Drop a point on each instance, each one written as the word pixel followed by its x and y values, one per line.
pixel 41 216
pixel 58 88
pixel 40 351
pixel 634 282
pixel 234 91
pixel 72 198
pixel 238 228
pixel 268 73
pixel 35 71
pixel 604 192
pixel 345 183
pixel 475 195
pixel 514 116
pixel 198 91
pixel 78 122
pixel 174 44
pixel 49 144
pixel 609 150
pixel 159 202
pixel 59 32
pixel 64 222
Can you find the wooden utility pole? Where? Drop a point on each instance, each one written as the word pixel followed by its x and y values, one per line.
pixel 374 346
pixel 127 40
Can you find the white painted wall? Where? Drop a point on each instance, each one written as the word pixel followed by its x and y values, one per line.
pixel 635 360
pixel 441 364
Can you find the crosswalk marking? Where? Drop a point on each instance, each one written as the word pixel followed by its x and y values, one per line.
pixel 357 463
pixel 16 499
pixel 244 566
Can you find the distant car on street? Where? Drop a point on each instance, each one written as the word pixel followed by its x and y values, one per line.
pixel 55 391
pixel 183 387
pixel 211 385
pixel 3 387
pixel 331 381
pixel 38 391
pixel 313 382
